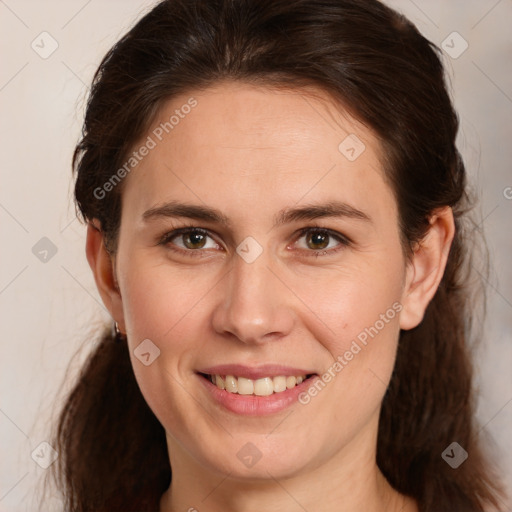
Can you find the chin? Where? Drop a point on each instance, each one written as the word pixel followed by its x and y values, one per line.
pixel 256 458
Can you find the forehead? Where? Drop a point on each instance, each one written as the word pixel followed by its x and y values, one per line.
pixel 238 147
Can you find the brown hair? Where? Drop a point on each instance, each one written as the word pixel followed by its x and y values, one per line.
pixel 377 64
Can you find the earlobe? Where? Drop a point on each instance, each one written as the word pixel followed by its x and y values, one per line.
pixel 103 268
pixel 426 268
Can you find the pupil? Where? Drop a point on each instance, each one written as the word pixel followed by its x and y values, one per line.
pixel 319 240
pixel 194 239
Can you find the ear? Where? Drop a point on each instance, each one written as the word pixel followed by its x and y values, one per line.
pixel 103 267
pixel 426 268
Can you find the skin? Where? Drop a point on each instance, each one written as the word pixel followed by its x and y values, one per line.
pixel 252 152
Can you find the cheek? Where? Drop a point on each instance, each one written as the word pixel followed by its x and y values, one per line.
pixel 163 307
pixel 352 302
pixel 157 299
pixel 356 319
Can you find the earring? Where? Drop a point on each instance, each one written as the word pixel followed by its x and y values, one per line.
pixel 118 335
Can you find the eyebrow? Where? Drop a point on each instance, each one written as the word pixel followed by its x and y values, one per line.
pixel 307 212
pixel 191 211
pixel 317 211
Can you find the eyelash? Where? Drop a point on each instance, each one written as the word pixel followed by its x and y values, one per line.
pixel 343 240
pixel 169 236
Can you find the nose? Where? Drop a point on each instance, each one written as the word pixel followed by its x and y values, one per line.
pixel 255 306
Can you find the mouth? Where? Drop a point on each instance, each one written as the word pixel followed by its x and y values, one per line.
pixel 254 390
pixel 264 386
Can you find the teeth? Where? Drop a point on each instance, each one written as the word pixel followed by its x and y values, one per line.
pixel 231 384
pixel 245 386
pixel 291 382
pixel 264 387
pixel 279 384
pixel 220 382
pixel 260 387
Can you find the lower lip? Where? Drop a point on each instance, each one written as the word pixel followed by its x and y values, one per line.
pixel 252 405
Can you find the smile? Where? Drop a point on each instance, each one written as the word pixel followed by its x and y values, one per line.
pixel 259 387
pixel 254 390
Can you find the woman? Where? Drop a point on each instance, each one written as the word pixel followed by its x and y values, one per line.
pixel 275 209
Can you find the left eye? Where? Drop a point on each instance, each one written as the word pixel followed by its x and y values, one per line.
pixel 320 240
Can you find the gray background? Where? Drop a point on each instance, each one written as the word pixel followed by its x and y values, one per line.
pixel 48 307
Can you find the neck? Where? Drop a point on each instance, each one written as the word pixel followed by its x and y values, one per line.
pixel 348 482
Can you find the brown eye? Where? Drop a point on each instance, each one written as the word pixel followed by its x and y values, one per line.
pixel 194 240
pixel 317 240
pixel 321 241
pixel 189 239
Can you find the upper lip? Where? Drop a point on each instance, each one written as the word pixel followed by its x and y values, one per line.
pixel 255 372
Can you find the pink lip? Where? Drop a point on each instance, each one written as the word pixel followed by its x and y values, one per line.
pixel 251 405
pixel 255 372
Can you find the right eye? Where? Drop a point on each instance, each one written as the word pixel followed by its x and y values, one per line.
pixel 189 239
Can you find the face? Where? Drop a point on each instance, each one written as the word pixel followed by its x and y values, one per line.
pixel 258 241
